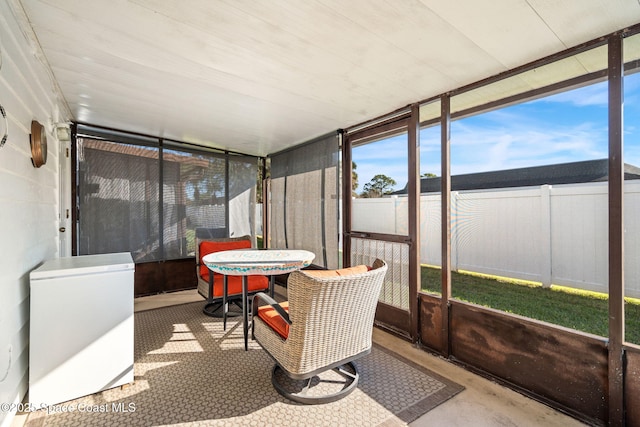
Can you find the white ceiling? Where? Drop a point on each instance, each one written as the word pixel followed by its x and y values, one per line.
pixel 258 76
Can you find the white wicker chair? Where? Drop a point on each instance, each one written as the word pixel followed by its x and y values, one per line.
pixel 328 323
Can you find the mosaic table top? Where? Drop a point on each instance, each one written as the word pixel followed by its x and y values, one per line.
pixel 244 262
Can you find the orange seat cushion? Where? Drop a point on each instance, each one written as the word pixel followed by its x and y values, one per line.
pixel 271 317
pixel 234 283
pixel 358 269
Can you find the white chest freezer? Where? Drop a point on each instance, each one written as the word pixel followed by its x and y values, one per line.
pixel 81 329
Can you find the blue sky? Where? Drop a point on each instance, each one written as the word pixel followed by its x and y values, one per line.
pixel 565 127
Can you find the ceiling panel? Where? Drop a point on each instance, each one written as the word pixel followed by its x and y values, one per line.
pixel 510 31
pixel 570 20
pixel 258 76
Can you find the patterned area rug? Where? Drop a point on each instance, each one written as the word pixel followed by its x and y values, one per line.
pixel 189 372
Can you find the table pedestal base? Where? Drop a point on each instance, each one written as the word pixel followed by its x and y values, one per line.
pixel 214 309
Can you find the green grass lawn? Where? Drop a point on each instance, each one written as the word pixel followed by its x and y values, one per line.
pixel 581 310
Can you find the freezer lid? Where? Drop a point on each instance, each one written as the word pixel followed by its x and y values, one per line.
pixel 83 264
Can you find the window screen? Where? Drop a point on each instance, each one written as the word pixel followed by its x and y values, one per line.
pixel 194 196
pixel 305 199
pixel 243 178
pixel 136 196
pixel 118 194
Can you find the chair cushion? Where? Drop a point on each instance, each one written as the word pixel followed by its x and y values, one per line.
pixel 208 247
pixel 234 284
pixel 358 269
pixel 254 283
pixel 271 317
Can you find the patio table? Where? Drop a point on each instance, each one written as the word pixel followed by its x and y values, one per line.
pixel 247 262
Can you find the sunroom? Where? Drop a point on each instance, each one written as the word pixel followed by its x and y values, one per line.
pixel 295 123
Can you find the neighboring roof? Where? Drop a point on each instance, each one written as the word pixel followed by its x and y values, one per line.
pixel 144 152
pixel 563 173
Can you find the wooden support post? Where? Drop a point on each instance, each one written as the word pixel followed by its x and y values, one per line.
pixel 616 234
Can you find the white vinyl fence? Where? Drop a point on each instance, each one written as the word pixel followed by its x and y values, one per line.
pixel 548 234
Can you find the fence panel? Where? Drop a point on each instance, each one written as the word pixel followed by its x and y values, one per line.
pixel 546 234
pixel 430 229
pixel 579 235
pixel 374 215
pixel 491 227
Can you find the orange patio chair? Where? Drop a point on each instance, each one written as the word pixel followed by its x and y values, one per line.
pixel 212 285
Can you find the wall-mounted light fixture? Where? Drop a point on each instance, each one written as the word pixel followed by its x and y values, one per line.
pixel 63 132
pixel 38 144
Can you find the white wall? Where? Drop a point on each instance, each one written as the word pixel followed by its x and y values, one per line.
pixel 29 200
pixel 548 234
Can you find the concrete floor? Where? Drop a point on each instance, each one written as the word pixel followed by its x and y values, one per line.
pixel 483 403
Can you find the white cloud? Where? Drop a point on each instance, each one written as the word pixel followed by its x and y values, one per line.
pixel 477 148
